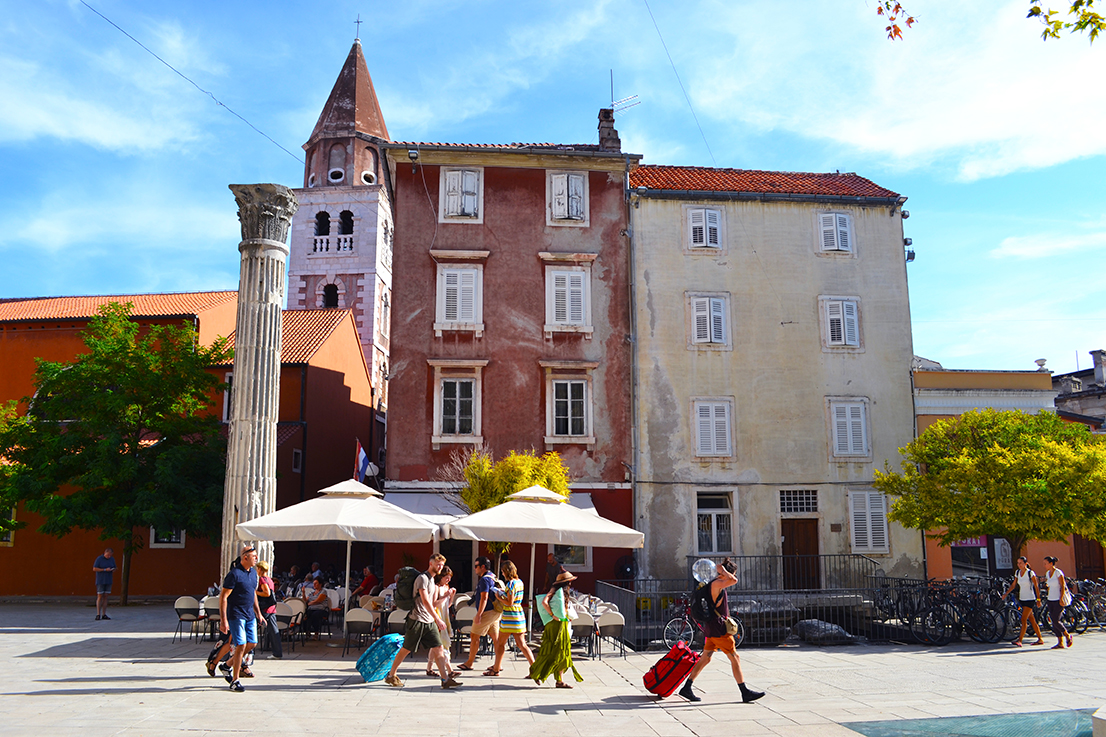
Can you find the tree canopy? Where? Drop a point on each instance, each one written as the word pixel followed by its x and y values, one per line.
pixel 1081 18
pixel 1007 474
pixel 121 438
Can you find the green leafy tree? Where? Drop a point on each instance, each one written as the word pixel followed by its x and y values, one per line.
pixel 1008 474
pixel 1081 18
pixel 488 484
pixel 121 438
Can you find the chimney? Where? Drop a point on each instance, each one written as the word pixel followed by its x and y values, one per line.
pixel 1099 358
pixel 1070 385
pixel 608 136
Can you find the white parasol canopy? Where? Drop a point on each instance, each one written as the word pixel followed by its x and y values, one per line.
pixel 349 511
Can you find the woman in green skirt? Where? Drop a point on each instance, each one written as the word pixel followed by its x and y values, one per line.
pixel 555 655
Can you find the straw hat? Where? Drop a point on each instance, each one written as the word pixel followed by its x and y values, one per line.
pixel 564 577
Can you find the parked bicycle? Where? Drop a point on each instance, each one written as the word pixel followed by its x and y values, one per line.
pixel 682 628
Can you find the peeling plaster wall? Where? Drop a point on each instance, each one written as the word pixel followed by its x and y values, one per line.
pixel 776 371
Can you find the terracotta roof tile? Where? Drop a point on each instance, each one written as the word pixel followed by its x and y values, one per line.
pixel 705 179
pixel 304 331
pixel 145 305
pixel 569 147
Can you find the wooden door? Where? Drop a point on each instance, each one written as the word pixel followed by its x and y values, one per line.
pixel 801 569
pixel 1088 558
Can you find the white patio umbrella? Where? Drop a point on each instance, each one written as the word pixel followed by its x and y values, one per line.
pixel 349 511
pixel 538 515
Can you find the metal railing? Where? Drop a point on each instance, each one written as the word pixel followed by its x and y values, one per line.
pixel 797 572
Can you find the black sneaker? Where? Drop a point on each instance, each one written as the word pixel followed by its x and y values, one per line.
pixel 237 686
pixel 105 617
pixel 688 694
pixel 748 696
pixel 97 617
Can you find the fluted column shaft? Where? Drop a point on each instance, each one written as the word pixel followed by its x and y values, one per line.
pixel 265 212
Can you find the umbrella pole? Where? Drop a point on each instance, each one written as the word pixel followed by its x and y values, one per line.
pixel 349 545
pixel 530 610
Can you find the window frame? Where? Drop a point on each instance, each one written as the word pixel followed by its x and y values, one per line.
pixel 689 229
pixel 7 539
pixel 830 221
pixel 297 460
pixel 444 210
pixel 569 371
pixel 441 324
pixel 715 454
pixel 858 510
pixel 585 567
pixel 450 370
pixel 552 215
pixel 228 395
pixel 728 511
pixel 694 342
pixel 825 306
pixel 178 544
pixel 552 325
pixel 851 453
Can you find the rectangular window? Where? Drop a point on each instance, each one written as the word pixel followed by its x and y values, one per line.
pixel 570 416
pixel 842 322
pixel 714 523
pixel 297 460
pixel 712 428
pixel 462 193
pixel 795 501
pixel 568 196
pixel 228 395
pixel 457 406
pixel 7 537
pixel 704 228
pixel 709 318
pixel 569 294
pixel 166 538
pixel 850 431
pixel 459 299
pixel 836 231
pixel 573 557
pixel 868 513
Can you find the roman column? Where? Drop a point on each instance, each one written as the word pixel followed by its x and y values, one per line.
pixel 265 212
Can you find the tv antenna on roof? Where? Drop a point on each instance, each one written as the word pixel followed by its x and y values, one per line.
pixel 625 103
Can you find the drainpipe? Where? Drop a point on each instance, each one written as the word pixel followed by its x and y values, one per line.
pixel 634 440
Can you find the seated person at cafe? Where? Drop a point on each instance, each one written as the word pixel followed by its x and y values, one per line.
pixel 369 583
pixel 318 606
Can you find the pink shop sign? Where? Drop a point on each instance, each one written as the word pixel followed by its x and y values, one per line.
pixel 971 542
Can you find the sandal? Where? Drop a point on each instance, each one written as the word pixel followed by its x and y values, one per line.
pixel 1068 639
pixel 245 672
pixel 562 684
pixel 462 666
pixel 1039 642
pixel 430 673
pixel 1057 646
pixel 1016 643
pixel 491 672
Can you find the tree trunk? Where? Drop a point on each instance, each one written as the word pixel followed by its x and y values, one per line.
pixel 124 590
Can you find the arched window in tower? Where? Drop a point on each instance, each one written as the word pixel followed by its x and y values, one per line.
pixel 330 295
pixel 368 176
pixel 322 223
pixel 385 314
pixel 345 223
pixel 336 169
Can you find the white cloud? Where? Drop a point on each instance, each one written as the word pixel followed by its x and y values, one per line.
pixel 1048 245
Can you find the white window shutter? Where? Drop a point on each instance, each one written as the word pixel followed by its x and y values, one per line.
pixel 576 298
pixel 835 329
pixel 469 189
pixel 560 297
pixel 697 230
pixel 722 429
pixel 852 324
pixel 844 243
pixel 559 193
pixel 700 308
pixel 452 193
pixel 857 441
pixel 717 320
pixel 828 223
pixel 841 429
pixel 452 295
pixel 705 424
pixel 575 196
pixel 466 311
pixel 877 518
pixel 858 513
pixel 714 219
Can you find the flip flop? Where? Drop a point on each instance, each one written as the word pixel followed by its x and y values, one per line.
pixel 491 672
pixel 562 684
pixel 462 666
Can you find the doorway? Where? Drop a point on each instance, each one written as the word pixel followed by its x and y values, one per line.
pixel 458 556
pixel 1088 558
pixel 801 566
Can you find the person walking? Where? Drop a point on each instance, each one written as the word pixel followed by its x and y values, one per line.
pixel 239 613
pixel 103 568
pixel 486 619
pixel 1057 594
pixel 1029 596
pixel 513 621
pixel 266 604
pixel 443 600
pixel 424 627
pixel 554 657
pixel 717 637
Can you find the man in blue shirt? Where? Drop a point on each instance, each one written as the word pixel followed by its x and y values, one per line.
pixel 103 567
pixel 239 613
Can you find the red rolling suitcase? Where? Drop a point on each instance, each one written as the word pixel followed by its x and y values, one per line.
pixel 671 670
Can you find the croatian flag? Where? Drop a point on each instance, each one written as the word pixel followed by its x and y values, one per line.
pixel 363 464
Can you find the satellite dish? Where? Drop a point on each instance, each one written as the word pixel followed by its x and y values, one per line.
pixel 704 570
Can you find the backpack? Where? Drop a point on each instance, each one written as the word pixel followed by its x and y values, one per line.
pixel 405 588
pixel 703 610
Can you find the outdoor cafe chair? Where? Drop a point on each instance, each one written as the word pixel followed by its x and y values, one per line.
pixel 463 627
pixel 211 614
pixel 396 619
pixel 360 624
pixel 188 610
pixel 610 625
pixel 285 619
pixel 583 630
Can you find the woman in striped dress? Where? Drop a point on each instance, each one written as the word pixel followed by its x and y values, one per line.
pixel 513 621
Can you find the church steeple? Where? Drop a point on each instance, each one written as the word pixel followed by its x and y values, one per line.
pixel 341 150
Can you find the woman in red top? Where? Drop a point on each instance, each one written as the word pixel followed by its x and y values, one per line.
pixel 266 602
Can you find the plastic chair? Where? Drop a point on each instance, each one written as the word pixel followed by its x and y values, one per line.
pixel 188 610
pixel 465 615
pixel 211 614
pixel 610 625
pixel 583 630
pixel 360 624
pixel 461 600
pixel 397 621
pixel 285 619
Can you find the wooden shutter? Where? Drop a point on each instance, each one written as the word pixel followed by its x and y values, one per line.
pixel 700 309
pixel 452 280
pixel 722 429
pixel 466 311
pixel 714 219
pixel 835 328
pixel 470 182
pixel 841 429
pixel 568 297
pixel 559 195
pixel 452 193
pixel 828 223
pixel 844 242
pixel 713 424
pixel 868 512
pixel 852 323
pixel 877 521
pixel 857 439
pixel 717 320
pixel 575 196
pixel 697 229
pixel 858 513
pixel 850 435
pixel 704 418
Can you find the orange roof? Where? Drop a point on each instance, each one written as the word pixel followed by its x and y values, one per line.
pixel 705 179
pixel 145 305
pixel 304 331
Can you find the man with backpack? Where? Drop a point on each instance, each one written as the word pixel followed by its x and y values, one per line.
pixel 424 626
pixel 486 620
pixel 711 608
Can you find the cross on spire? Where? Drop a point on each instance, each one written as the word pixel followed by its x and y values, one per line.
pixel 358 22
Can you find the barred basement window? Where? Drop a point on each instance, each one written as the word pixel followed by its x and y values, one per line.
pixel 798 500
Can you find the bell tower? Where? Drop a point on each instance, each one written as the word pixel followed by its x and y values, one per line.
pixel 341 240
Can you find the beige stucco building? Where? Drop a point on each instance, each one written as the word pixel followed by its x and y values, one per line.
pixel 772 366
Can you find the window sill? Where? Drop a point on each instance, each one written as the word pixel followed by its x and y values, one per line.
pixel 570 222
pixel 842 348
pixel 437 441
pixel 585 330
pixel 710 347
pixel 459 327
pixel 588 440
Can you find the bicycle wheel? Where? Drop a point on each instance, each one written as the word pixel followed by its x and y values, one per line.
pixel 932 627
pixel 1098 610
pixel 1012 622
pixel 739 636
pixel 679 629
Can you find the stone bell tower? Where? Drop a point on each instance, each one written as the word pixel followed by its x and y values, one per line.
pixel 341 241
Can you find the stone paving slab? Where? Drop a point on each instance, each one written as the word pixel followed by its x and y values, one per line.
pixel 65 673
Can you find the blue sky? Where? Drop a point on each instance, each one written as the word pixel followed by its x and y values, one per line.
pixel 115 169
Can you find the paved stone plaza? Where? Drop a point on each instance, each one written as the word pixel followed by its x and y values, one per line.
pixel 65 673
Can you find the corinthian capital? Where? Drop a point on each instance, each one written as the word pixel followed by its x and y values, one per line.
pixel 265 210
